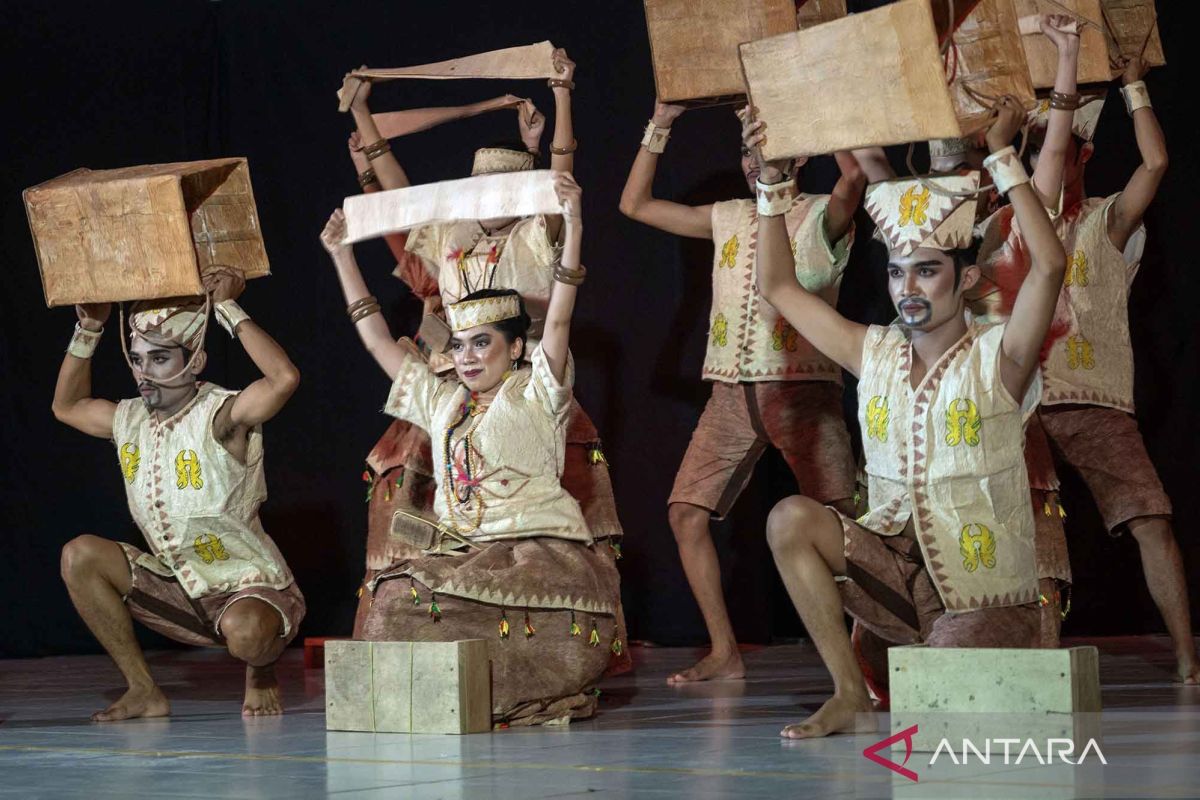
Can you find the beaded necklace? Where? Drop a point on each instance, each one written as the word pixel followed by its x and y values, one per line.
pixel 462 486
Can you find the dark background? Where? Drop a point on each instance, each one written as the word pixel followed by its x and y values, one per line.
pixel 114 84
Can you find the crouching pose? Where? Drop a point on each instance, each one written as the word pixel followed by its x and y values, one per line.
pixel 191 454
pixel 510 558
pixel 945 554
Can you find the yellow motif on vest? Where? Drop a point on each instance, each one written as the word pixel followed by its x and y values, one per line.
pixel 729 253
pixel 720 330
pixel 962 423
pixel 209 547
pixel 1080 354
pixel 1077 270
pixel 784 336
pixel 795 247
pixel 131 459
pixel 914 206
pixel 187 470
pixel 877 418
pixel 977 548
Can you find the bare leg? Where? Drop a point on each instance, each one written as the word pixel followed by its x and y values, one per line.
pixel 252 629
pixel 97 577
pixel 1163 568
pixel 699 557
pixel 806 540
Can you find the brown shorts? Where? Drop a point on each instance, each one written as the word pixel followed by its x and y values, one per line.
pixel 802 419
pixel 160 603
pixel 889 591
pixel 1105 447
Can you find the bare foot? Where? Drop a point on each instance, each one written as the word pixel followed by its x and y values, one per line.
pixel 838 715
pixel 1189 670
pixel 262 692
pixel 143 701
pixel 713 667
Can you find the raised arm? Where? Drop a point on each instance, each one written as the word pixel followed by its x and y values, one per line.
pixel 638 201
pixel 372 328
pixel 73 403
pixel 1034 307
pixel 1126 213
pixel 1063 31
pixel 262 399
pixel 562 149
pixel 376 148
pixel 775 268
pixel 874 164
pixel 846 197
pixel 556 337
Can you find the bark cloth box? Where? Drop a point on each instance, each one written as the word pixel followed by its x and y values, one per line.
pixel 1109 29
pixel 143 233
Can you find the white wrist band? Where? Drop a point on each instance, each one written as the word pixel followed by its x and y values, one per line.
pixel 83 342
pixel 229 316
pixel 655 138
pixel 775 199
pixel 1136 96
pixel 1006 168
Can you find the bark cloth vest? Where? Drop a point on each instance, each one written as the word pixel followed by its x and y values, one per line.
pixel 949 455
pixel 747 338
pixel 195 504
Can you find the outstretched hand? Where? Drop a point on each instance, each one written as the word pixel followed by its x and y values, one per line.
pixel 1062 29
pixel 334 233
pixel 359 103
pixel 564 65
pixel 1010 118
pixel 532 124
pixel 570 197
pixel 224 283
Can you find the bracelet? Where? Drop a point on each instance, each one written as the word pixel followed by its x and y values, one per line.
pixel 376 149
pixel 564 151
pixel 360 303
pixel 572 276
pixel 83 342
pixel 1006 168
pixel 1136 96
pixel 775 199
pixel 1065 102
pixel 554 83
pixel 367 177
pixel 364 312
pixel 229 315
pixel 655 138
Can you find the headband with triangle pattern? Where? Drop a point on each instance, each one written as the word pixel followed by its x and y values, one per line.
pixel 908 215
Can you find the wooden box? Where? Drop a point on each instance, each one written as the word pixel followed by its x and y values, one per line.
pixel 1134 25
pixel 874 78
pixel 145 232
pixel 408 687
pixel 816 12
pixel 989 693
pixel 1042 55
pixel 942 10
pixel 987 61
pixel 694 44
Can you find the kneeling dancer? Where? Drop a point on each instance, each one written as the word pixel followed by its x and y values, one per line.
pixel 945 555
pixel 191 454
pixel 510 558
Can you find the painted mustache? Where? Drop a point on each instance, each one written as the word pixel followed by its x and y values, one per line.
pixel 918 315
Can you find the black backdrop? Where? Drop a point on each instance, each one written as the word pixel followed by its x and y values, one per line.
pixel 105 85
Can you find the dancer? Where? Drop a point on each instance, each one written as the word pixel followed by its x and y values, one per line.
pixel 945 555
pixel 510 557
pixel 770 387
pixel 191 454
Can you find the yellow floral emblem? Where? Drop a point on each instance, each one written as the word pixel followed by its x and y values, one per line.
pixel 1080 354
pixel 187 470
pixel 729 252
pixel 720 330
pixel 131 459
pixel 977 548
pixel 209 547
pixel 1077 270
pixel 914 206
pixel 784 336
pixel 877 418
pixel 962 423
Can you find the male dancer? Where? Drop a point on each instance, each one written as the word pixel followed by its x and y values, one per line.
pixel 946 553
pixel 770 387
pixel 191 454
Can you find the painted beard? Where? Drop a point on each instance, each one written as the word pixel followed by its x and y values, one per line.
pixel 914 317
pixel 151 395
